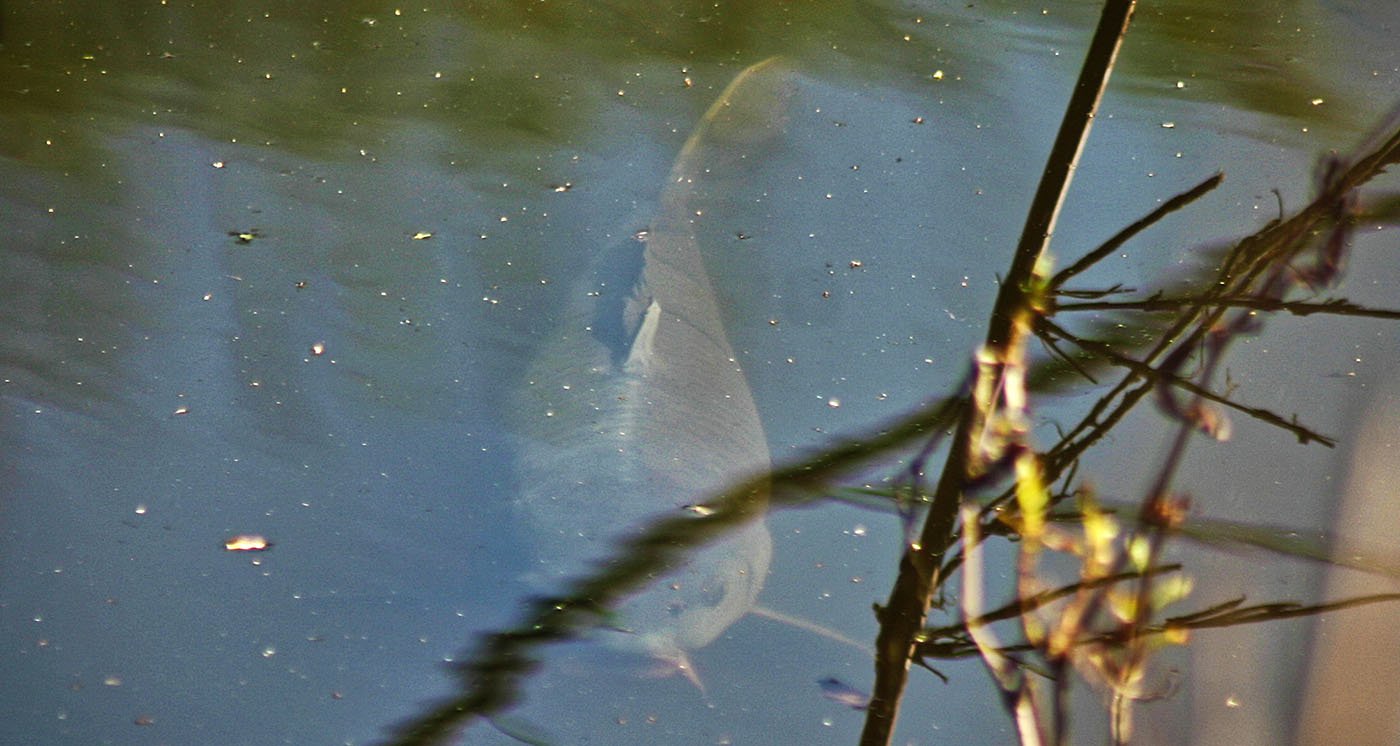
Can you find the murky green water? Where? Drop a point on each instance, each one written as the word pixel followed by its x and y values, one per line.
pixel 278 269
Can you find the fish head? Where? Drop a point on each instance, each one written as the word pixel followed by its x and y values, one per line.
pixel 687 609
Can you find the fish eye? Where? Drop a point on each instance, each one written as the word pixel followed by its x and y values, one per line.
pixel 712 594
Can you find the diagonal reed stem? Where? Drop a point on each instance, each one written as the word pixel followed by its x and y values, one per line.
pixel 903 617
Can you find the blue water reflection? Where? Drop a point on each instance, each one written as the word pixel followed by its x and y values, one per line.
pixel 404 171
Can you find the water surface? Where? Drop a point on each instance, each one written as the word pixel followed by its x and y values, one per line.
pixel 422 188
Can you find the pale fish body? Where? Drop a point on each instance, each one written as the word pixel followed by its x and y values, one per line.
pixel 637 407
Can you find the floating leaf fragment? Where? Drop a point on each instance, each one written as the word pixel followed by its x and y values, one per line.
pixel 247 543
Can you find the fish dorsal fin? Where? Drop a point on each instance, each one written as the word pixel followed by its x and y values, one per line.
pixel 618 299
pixel 643 348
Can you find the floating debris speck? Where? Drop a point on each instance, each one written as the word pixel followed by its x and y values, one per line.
pixel 839 691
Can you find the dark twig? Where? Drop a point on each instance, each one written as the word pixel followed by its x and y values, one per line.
pixel 1123 236
pixel 903 616
pixel 1297 308
pixel 1168 377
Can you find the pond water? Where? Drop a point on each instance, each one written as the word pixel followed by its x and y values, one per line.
pixel 281 270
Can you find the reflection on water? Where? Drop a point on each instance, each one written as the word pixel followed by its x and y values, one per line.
pixel 134 139
pixel 1348 648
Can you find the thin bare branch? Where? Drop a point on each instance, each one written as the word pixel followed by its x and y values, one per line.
pixel 1125 235
pixel 1337 307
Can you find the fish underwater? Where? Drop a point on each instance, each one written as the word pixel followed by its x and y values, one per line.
pixel 636 406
